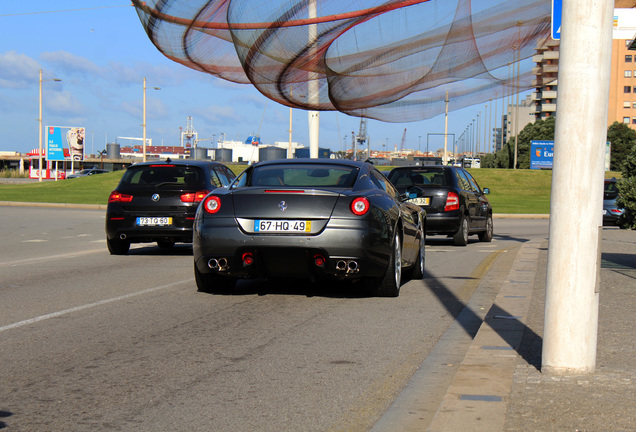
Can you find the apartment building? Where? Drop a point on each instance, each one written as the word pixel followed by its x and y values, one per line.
pixel 546 68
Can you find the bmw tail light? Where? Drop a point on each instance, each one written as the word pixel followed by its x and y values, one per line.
pixel 212 204
pixel 452 202
pixel 360 206
pixel 116 197
pixel 194 197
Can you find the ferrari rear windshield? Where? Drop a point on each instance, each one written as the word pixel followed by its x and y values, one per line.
pixel 302 175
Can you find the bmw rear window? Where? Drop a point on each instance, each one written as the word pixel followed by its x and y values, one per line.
pixel 164 176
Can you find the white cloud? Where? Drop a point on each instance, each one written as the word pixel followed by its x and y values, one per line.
pixel 218 114
pixel 17 70
pixel 64 103
pixel 70 64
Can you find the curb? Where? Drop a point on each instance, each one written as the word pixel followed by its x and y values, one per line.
pixel 103 207
pixel 53 205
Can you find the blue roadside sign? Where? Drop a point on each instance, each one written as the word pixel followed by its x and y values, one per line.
pixel 54 146
pixel 557 8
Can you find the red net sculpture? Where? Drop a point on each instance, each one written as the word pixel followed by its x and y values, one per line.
pixel 391 60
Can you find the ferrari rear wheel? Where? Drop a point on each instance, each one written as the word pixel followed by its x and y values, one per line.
pixel 418 271
pixel 210 283
pixel 389 285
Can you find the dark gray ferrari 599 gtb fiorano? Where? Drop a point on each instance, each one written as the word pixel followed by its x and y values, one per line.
pixel 313 218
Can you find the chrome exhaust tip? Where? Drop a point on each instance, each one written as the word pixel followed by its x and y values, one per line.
pixel 341 265
pixel 213 263
pixel 122 236
pixel 222 264
pixel 352 267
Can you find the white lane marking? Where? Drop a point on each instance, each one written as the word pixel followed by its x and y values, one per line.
pixel 34 241
pixel 48 258
pixel 90 305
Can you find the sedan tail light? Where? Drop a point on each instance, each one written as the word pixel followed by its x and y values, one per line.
pixel 116 197
pixel 212 204
pixel 194 197
pixel 452 202
pixel 360 206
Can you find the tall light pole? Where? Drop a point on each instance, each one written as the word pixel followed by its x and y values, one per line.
pixel 40 128
pixel 144 119
pixel 313 89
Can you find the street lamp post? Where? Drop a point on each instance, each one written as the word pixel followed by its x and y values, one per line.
pixel 144 119
pixel 40 128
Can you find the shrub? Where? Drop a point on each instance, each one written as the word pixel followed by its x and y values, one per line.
pixel 627 191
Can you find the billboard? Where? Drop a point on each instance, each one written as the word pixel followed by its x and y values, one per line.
pixel 54 146
pixel 74 137
pixel 541 154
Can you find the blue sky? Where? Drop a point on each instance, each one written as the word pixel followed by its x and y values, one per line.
pixel 101 53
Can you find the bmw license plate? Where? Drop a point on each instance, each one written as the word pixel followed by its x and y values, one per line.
pixel 282 226
pixel 154 221
pixel 420 201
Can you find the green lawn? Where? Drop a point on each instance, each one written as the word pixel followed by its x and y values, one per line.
pixel 511 191
pixel 516 191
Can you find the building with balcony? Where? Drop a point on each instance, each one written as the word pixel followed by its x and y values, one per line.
pixel 545 82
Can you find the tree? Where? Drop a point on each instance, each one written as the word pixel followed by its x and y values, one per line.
pixel 627 191
pixel 539 130
pixel 622 139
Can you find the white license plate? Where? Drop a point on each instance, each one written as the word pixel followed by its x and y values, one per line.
pixel 420 201
pixel 282 226
pixel 154 221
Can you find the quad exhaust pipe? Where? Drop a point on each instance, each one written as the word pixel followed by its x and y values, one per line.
pixel 348 266
pixel 220 264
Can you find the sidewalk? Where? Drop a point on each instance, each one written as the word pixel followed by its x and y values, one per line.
pixel 496 383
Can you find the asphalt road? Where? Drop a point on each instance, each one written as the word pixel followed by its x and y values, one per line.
pixel 90 341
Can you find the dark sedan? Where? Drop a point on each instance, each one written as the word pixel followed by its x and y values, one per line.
pixel 157 201
pixel 455 204
pixel 87 172
pixel 611 212
pixel 309 218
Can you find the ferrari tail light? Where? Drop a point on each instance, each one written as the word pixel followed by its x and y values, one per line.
pixel 452 202
pixel 360 206
pixel 212 204
pixel 116 197
pixel 194 197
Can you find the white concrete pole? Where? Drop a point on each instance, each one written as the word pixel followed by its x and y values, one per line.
pixel 313 88
pixel 571 309
pixel 144 123
pixel 40 132
pixel 445 160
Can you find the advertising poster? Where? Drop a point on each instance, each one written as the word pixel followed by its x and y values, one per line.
pixel 541 154
pixel 75 139
pixel 54 146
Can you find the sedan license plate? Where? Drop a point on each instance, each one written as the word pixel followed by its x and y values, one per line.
pixel 420 201
pixel 282 226
pixel 154 221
